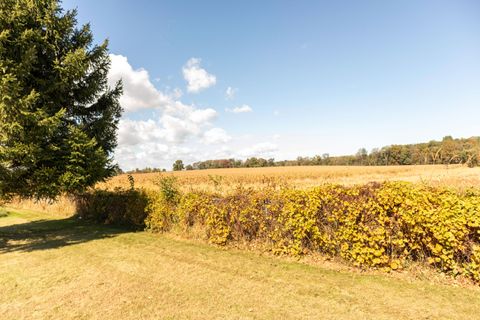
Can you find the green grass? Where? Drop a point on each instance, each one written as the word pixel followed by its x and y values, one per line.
pixel 53 268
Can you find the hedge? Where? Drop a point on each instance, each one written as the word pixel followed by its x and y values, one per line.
pixel 383 226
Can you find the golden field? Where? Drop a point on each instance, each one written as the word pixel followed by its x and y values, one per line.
pixel 308 176
pixel 225 180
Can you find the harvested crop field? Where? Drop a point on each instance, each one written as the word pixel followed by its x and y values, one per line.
pixel 225 180
pixel 308 176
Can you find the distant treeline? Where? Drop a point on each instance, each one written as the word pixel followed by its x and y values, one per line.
pixel 144 170
pixel 447 151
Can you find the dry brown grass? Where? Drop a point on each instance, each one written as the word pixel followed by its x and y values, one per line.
pixel 53 268
pixel 63 206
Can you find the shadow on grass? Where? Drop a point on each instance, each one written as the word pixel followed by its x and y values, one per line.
pixel 51 234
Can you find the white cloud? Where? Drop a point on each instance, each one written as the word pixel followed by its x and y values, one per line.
pixel 264 149
pixel 138 91
pixel 174 130
pixel 131 132
pixel 173 126
pixel 202 115
pixel 152 155
pixel 197 78
pixel 216 135
pixel 240 109
pixel 191 122
pixel 230 93
pixel 158 142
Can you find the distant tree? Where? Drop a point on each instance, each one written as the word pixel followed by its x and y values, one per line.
pixel 237 163
pixel 58 116
pixel 325 159
pixel 189 167
pixel 262 162
pixel 178 165
pixel 373 157
pixel 362 155
pixel 251 162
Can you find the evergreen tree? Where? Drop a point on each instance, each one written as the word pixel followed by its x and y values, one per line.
pixel 58 116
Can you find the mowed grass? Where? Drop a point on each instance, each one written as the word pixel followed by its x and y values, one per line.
pixel 63 268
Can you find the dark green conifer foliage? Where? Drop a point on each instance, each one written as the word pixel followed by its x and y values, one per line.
pixel 58 116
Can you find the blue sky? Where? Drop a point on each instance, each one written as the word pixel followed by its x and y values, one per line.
pixel 316 76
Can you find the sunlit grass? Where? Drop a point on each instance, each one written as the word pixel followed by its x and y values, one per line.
pixel 53 267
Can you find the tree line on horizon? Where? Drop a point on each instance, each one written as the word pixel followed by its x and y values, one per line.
pixel 447 151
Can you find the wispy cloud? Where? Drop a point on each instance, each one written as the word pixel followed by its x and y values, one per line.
pixel 240 109
pixel 230 93
pixel 264 149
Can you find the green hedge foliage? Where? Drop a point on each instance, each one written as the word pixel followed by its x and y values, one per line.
pixel 120 207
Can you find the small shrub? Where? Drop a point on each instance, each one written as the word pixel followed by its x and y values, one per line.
pixel 118 207
pixel 161 208
pixel 131 181
pixel 169 189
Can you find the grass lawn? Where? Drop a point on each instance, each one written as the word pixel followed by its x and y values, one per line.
pixel 56 268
